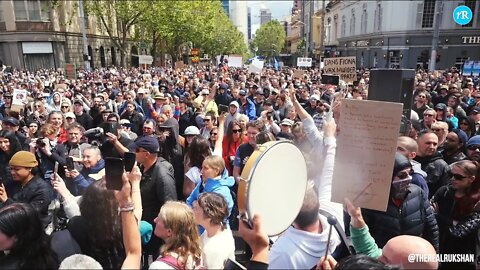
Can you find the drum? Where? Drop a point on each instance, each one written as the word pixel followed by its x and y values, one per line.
pixel 273 185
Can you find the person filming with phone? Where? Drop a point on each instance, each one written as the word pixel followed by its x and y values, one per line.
pixel 93 169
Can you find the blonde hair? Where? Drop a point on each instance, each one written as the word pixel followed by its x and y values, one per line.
pixel 243 117
pixel 216 162
pixel 48 129
pixel 440 124
pixel 179 218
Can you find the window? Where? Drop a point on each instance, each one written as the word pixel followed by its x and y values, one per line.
pixel 31 10
pixel 471 5
pixel 428 13
pixel 352 24
pixel 363 28
pixel 344 26
pixel 335 27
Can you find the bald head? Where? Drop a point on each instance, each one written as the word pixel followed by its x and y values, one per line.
pixel 398 249
pixel 407 147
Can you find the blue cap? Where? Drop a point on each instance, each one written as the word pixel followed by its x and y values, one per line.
pixel 148 143
pixel 475 140
pixel 462 136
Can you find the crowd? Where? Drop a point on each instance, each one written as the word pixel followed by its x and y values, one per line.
pixel 192 131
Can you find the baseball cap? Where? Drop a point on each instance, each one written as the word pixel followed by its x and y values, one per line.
pixel 234 103
pixel 12 121
pixel 476 109
pixel 148 143
pixel 242 93
pixel 70 115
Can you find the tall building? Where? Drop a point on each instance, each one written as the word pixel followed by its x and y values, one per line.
pixel 34 36
pixel 249 22
pixel 368 30
pixel 239 17
pixel 226 6
pixel 265 15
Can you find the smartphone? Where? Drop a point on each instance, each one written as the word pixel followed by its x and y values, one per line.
pixel 330 79
pixel 222 108
pixel 233 265
pixel 129 161
pixel 70 165
pixel 113 173
pixel 110 127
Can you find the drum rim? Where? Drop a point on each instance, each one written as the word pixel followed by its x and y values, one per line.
pixel 254 168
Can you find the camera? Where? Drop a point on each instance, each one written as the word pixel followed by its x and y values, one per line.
pixel 41 142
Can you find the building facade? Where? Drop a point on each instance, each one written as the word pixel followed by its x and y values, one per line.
pixel 33 36
pixel 239 17
pixel 398 34
pixel 265 16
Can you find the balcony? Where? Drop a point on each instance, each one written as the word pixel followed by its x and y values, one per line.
pixel 34 26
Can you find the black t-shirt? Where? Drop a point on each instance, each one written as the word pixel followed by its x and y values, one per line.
pixel 108 149
pixel 243 153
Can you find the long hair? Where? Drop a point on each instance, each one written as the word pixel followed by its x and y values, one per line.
pixel 465 205
pixel 14 143
pixel 32 247
pixel 199 149
pixel 230 132
pixel 179 218
pixel 99 208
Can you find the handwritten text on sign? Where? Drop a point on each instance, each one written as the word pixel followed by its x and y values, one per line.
pixel 345 67
pixel 365 154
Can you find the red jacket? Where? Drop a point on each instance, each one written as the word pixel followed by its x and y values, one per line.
pixel 229 149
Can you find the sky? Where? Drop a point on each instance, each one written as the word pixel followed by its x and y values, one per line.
pixel 279 9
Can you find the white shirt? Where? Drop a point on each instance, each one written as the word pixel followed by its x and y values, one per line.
pixel 217 249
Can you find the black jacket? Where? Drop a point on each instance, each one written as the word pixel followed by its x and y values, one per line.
pixel 38 193
pixel 156 187
pixel 437 171
pixel 414 217
pixel 460 238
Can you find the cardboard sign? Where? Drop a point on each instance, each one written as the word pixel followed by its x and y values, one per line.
pixel 179 65
pixel 19 100
pixel 71 71
pixel 235 61
pixel 345 67
pixel 61 86
pixel 298 73
pixel 365 154
pixel 145 59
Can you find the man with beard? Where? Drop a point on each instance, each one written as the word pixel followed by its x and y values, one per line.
pixel 432 162
pixel 473 148
pixel 454 146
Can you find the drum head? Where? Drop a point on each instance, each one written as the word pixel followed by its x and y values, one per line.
pixel 277 186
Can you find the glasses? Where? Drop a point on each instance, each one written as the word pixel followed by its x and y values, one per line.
pixel 473 147
pixel 236 130
pixel 457 176
pixel 404 175
pixel 65 107
pixel 428 115
pixel 439 110
pixel 213 134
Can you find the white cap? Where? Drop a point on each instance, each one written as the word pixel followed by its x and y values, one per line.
pixel 124 121
pixel 234 103
pixel 70 115
pixel 141 91
pixel 192 130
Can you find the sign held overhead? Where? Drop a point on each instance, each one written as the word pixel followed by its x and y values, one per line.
pixel 304 62
pixel 345 67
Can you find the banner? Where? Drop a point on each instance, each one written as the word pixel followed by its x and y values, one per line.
pixel 304 62
pixel 19 100
pixel 235 61
pixel 345 67
pixel 256 66
pixel 145 59
pixel 365 154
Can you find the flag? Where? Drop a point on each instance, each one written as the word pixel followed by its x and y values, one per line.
pixel 275 63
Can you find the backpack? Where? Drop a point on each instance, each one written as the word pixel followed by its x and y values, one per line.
pixel 172 261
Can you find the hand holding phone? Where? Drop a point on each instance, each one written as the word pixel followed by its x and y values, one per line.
pixel 129 161
pixel 113 173
pixel 70 163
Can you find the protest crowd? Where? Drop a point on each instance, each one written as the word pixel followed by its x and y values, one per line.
pixel 191 131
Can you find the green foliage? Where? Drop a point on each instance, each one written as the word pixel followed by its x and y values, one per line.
pixel 269 39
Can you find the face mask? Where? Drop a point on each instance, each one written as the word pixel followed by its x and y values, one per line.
pixel 400 187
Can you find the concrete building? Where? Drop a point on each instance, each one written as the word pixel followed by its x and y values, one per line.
pixel 239 17
pixel 265 15
pixel 398 34
pixel 33 36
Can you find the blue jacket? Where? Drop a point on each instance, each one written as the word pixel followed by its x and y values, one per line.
pixel 249 110
pixel 82 181
pixel 220 186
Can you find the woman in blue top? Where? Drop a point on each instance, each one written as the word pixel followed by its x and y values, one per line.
pixel 214 179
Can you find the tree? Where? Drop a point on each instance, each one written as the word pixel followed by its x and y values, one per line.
pixel 118 18
pixel 270 38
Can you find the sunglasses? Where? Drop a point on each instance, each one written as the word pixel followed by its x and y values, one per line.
pixel 404 175
pixel 457 176
pixel 212 134
pixel 236 130
pixel 429 115
pixel 436 129
pixel 65 107
pixel 473 147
